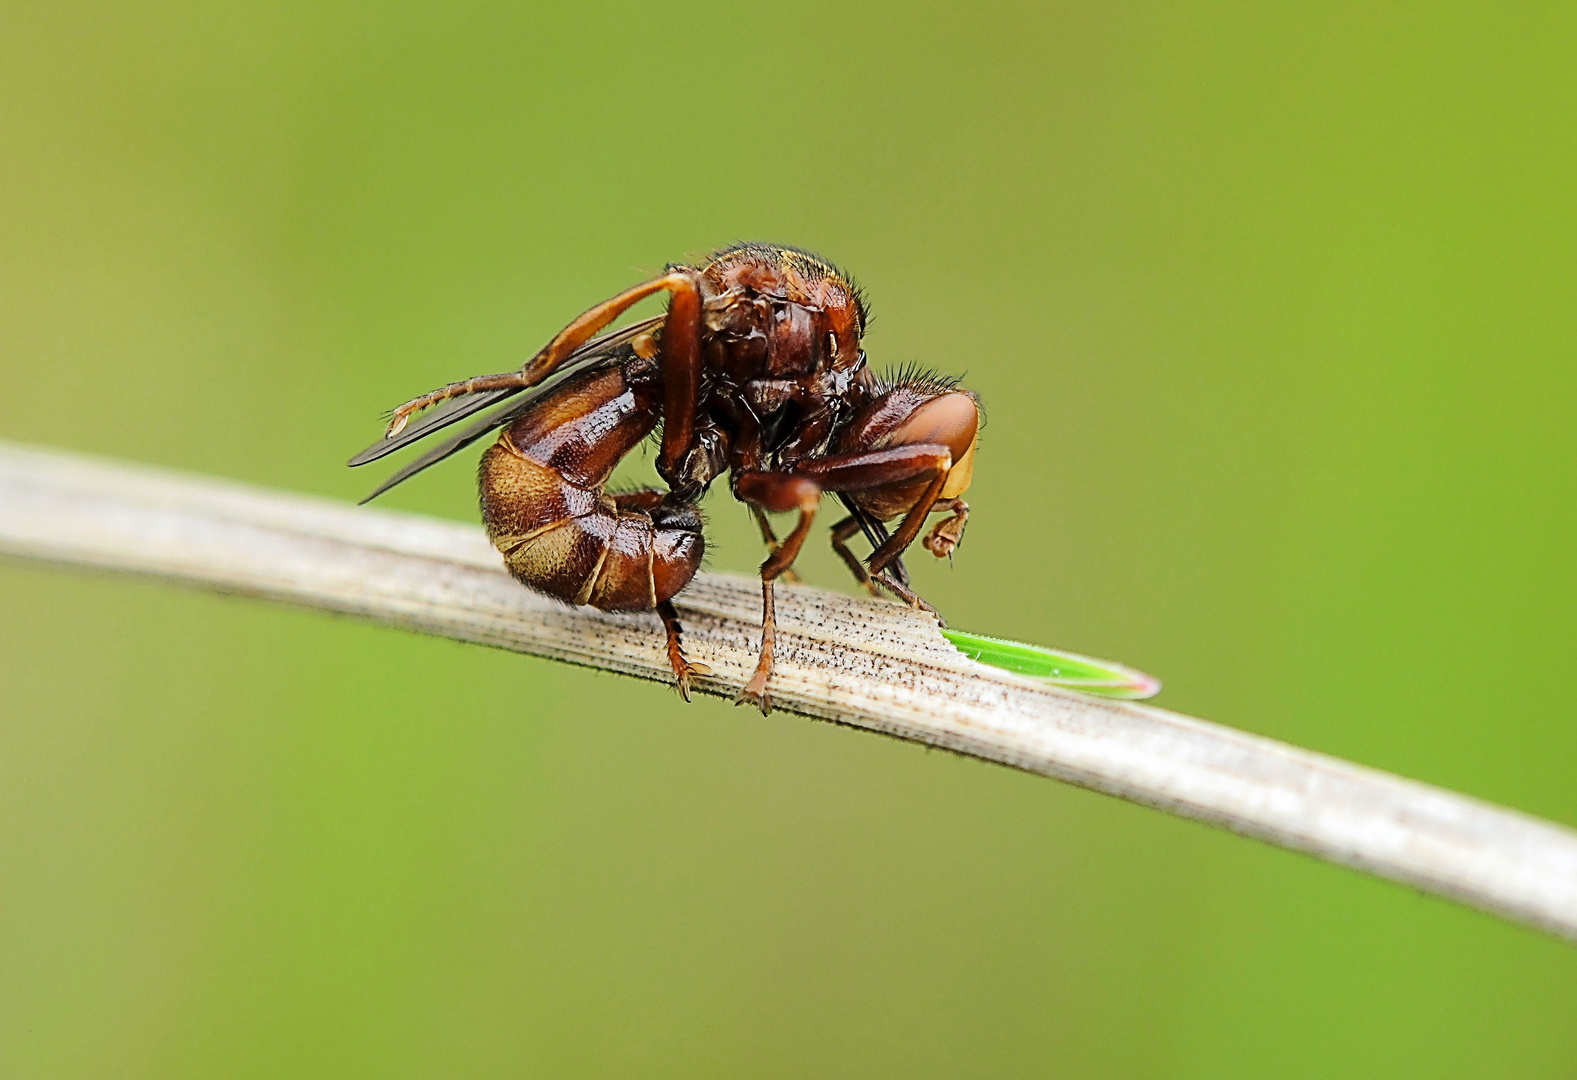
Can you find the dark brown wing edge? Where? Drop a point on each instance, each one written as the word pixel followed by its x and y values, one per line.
pixel 601 350
pixel 455 443
pixel 450 412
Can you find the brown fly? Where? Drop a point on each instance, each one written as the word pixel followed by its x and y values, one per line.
pixel 755 370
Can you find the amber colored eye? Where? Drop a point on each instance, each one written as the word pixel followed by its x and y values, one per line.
pixel 951 420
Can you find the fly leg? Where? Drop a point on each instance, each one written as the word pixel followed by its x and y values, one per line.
pixel 777 493
pixel 648 501
pixel 400 416
pixel 801 490
pixel 769 538
pixel 911 454
pixel 866 470
pixel 940 541
pixel 906 594
pixel 683 323
pixel 683 666
pixel 946 534
pixel 884 579
pixel 840 544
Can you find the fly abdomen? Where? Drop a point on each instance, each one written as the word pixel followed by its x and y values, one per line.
pixel 545 508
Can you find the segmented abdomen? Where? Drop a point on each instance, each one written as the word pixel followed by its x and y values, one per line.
pixel 545 509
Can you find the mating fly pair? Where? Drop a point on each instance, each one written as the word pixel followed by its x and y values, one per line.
pixel 755 370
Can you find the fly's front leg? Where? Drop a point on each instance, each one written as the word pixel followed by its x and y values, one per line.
pixel 886 580
pixel 840 544
pixel 940 541
pixel 946 534
pixel 923 464
pixel 777 493
pixel 801 489
pixel 909 452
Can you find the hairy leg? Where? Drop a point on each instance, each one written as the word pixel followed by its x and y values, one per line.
pixel 684 668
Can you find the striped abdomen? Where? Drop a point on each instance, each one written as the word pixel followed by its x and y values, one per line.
pixel 545 509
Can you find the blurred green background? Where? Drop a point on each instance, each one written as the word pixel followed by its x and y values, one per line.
pixel 1272 309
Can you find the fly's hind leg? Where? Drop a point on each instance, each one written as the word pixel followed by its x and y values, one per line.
pixel 684 667
pixel 401 415
pixel 680 350
pixel 649 500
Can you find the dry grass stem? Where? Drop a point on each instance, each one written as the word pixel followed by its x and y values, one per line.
pixel 860 662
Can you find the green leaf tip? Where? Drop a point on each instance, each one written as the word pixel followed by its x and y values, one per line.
pixel 1068 670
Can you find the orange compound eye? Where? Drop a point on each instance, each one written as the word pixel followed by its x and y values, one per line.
pixel 951 420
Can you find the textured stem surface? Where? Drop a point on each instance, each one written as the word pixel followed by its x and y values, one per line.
pixel 866 663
